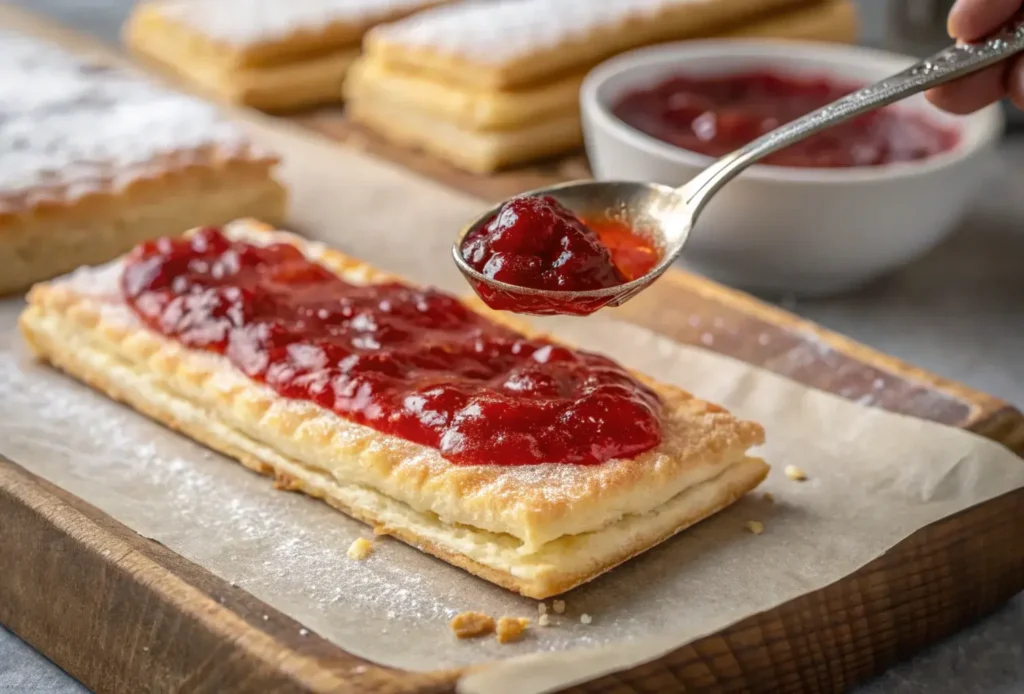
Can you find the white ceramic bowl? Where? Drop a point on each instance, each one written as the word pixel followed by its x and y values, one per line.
pixel 784 229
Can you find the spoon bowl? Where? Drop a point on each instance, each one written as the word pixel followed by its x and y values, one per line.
pixel 654 210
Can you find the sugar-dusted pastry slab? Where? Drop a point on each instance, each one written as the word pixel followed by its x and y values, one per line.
pixel 95 159
pixel 266 54
pixel 138 591
pixel 511 43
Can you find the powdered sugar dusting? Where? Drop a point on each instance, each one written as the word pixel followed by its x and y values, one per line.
pixel 68 126
pixel 242 22
pixel 502 30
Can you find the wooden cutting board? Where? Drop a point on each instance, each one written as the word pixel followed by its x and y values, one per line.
pixel 125 615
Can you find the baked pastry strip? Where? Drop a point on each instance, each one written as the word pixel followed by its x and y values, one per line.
pixel 538 530
pixel 509 43
pixel 266 54
pixel 484 130
pixel 96 160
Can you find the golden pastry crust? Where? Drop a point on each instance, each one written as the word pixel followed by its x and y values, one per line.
pixel 294 57
pixel 510 43
pixel 539 530
pixel 54 236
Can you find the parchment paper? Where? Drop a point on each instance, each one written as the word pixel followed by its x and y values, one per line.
pixel 874 478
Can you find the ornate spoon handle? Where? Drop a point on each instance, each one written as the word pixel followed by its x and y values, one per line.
pixel 945 66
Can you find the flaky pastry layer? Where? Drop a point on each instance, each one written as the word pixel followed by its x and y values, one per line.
pixel 536 529
pixel 247 33
pixel 511 43
pixel 471 150
pixel 52 239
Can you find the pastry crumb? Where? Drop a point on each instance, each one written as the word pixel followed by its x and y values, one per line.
pixel 468 625
pixel 544 620
pixel 756 527
pixel 558 606
pixel 585 618
pixel 511 629
pixel 769 498
pixel 303 632
pixel 286 482
pixel 542 608
pixel 360 549
pixel 795 473
pixel 379 530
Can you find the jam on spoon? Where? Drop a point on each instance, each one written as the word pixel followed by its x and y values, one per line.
pixel 534 242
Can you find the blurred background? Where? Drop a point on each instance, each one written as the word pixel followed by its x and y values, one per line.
pixel 915 27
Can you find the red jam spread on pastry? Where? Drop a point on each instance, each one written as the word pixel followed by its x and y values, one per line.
pixel 535 242
pixel 714 116
pixel 409 362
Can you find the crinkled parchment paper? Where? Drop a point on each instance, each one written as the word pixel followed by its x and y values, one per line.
pixel 873 479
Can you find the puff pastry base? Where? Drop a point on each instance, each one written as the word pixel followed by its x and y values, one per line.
pixel 290 59
pixel 51 240
pixel 483 130
pixel 538 530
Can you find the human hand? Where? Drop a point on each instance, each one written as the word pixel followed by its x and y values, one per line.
pixel 970 20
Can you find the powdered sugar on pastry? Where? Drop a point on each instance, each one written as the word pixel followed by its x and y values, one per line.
pixel 495 31
pixel 69 127
pixel 241 22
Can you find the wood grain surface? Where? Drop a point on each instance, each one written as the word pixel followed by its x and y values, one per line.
pixel 125 615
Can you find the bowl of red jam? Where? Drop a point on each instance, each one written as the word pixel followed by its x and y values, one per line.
pixel 824 216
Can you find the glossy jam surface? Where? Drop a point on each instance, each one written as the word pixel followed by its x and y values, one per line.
pixel 535 242
pixel 413 363
pixel 714 116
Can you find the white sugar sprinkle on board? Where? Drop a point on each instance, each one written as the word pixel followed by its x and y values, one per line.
pixel 243 22
pixel 68 126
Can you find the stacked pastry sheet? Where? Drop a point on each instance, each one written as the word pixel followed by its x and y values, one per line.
pixel 268 54
pixel 94 160
pixel 493 83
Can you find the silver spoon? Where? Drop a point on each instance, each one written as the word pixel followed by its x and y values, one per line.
pixel 668 214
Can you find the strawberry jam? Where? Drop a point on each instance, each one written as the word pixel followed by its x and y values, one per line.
pixel 717 115
pixel 413 363
pixel 536 243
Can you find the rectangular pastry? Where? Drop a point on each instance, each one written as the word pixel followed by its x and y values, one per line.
pixel 273 55
pixel 95 160
pixel 519 459
pixel 441 81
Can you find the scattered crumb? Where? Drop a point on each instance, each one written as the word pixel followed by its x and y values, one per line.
pixel 795 473
pixel 542 608
pixel 756 527
pixel 558 606
pixel 360 549
pixel 379 530
pixel 511 629
pixel 544 620
pixel 303 632
pixel 467 625
pixel 769 498
pixel 266 617
pixel 585 618
pixel 145 649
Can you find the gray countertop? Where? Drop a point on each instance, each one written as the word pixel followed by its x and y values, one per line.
pixel 957 312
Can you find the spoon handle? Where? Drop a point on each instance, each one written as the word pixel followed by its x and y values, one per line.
pixel 947 65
